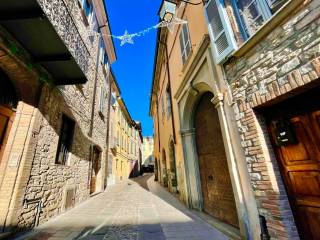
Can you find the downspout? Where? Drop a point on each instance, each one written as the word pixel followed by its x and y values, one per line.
pixel 170 90
pixel 108 128
pixel 95 82
pixel 94 89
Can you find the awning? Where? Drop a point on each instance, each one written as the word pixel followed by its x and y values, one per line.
pixel 27 23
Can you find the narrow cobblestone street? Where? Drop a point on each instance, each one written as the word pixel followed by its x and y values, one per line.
pixel 128 211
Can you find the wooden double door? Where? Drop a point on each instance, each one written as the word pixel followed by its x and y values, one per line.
pixel 296 139
pixel 95 168
pixel 294 127
pixel 215 179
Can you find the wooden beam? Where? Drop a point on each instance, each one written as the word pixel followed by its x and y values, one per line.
pixel 6 16
pixel 53 58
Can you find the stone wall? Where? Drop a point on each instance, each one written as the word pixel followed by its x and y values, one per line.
pixel 45 192
pixel 282 63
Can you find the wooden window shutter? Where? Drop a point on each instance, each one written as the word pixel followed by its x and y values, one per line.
pixel 220 30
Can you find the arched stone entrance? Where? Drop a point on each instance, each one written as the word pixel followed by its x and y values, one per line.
pixel 164 169
pixel 156 170
pixel 218 198
pixel 95 175
pixel 173 167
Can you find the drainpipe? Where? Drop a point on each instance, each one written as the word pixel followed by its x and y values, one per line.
pixel 95 82
pixel 108 127
pixel 170 90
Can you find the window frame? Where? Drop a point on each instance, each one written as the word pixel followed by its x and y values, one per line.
pixel 184 44
pixel 69 141
pixel 101 100
pixel 168 100
pixel 265 13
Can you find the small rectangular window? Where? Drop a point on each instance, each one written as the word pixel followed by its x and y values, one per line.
pixel 101 100
pixel 185 43
pixel 87 7
pixel 65 140
pixel 169 105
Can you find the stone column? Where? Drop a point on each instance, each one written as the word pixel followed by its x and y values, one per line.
pixel 192 169
pixel 218 102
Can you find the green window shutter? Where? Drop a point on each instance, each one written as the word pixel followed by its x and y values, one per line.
pixel 220 30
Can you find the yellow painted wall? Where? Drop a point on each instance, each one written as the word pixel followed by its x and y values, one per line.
pixel 198 29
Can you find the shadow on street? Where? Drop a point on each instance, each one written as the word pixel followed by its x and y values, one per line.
pixel 143 180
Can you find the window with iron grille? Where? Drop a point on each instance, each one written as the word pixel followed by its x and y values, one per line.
pixel 65 140
pixel 185 43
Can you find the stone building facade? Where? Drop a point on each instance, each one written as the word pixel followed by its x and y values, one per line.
pixel 55 149
pixel 261 74
pixel 125 139
pixel 147 151
pixel 190 144
pixel 266 78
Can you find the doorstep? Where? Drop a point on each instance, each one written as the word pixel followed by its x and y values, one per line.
pixel 228 230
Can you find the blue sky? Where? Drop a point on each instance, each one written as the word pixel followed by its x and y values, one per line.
pixel 134 66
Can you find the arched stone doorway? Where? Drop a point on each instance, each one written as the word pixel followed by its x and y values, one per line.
pixel 173 167
pixel 8 105
pixel 156 169
pixel 95 173
pixel 164 169
pixel 217 192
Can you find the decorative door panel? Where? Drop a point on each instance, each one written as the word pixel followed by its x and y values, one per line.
pixel 303 152
pixel 305 183
pixel 310 218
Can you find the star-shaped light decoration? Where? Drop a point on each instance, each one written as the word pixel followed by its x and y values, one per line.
pixel 126 38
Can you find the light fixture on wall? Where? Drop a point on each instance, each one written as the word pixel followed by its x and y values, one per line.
pixel 168 8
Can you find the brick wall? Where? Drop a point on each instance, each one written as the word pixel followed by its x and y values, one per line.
pixel 282 63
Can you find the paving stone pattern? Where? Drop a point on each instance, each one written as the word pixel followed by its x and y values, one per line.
pixel 126 211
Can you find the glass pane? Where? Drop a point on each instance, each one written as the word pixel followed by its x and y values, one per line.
pixel 251 15
pixel 214 18
pixel 188 48
pixel 275 5
pixel 185 33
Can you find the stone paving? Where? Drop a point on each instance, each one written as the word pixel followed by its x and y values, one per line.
pixel 127 211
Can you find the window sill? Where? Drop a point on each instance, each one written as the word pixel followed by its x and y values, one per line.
pixel 268 27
